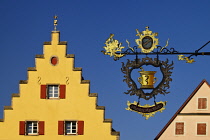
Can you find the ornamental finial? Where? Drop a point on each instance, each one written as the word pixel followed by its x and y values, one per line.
pixel 55 22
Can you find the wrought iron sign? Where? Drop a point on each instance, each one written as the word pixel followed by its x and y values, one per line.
pixel 147 44
pixel 147 79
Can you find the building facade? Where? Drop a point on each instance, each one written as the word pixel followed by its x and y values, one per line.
pixel 192 120
pixel 54 103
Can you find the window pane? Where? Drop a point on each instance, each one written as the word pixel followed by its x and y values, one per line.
pixel 68 124
pixel 29 131
pixel 50 88
pixel 68 132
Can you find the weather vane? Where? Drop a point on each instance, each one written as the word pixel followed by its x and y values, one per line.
pixel 55 22
pixel 147 44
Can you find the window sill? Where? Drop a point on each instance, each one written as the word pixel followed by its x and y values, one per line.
pixel 32 135
pixel 201 135
pixel 53 98
pixel 70 135
pixel 202 109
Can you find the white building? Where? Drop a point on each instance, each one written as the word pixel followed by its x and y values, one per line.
pixel 192 120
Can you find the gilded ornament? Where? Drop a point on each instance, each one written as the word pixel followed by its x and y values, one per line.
pixel 147 41
pixel 182 57
pixel 164 46
pixel 113 46
pixel 55 22
pixel 147 110
pixel 147 79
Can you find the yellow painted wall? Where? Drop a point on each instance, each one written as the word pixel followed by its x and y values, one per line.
pixel 79 104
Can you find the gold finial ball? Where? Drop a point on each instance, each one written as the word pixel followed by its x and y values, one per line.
pixel 55 17
pixel 147 27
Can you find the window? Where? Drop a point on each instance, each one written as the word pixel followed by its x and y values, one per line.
pixel 70 127
pixel 201 128
pixel 53 91
pixel 31 128
pixel 202 103
pixel 179 130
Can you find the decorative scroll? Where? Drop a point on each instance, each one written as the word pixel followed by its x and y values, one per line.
pixel 182 57
pixel 147 110
pixel 67 80
pixel 39 80
pixel 136 64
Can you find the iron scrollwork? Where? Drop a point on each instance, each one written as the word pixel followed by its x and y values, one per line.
pixel 161 88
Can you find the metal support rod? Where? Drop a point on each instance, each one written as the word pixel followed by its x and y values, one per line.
pixel 200 48
pixel 165 51
pixel 203 46
pixel 160 53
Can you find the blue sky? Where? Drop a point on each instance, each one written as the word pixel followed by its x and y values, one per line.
pixel 25 25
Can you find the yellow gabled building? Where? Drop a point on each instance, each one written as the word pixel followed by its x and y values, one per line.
pixel 54 103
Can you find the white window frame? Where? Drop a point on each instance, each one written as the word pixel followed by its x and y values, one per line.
pixel 206 103
pixel 32 128
pixel 175 128
pixel 70 129
pixel 53 91
pixel 197 129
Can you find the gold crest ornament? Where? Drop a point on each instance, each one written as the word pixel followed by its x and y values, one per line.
pixel 147 41
pixel 147 110
pixel 113 46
